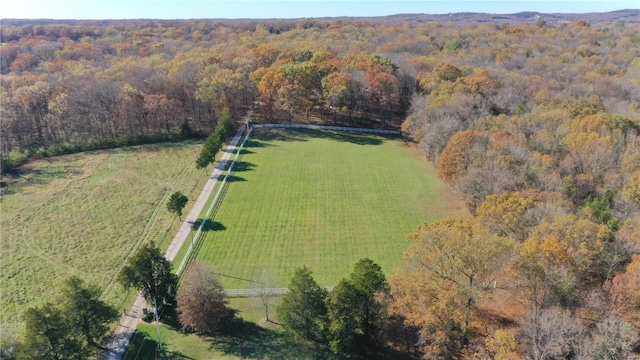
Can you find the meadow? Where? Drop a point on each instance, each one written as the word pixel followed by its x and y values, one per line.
pixel 83 214
pixel 323 200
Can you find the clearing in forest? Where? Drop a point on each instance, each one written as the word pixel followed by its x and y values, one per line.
pixel 321 199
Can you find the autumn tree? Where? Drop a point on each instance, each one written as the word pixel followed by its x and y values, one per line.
pixel 302 310
pixel 458 155
pixel 625 288
pixel 542 264
pixel 502 344
pixel 505 214
pixel 202 302
pixel 449 265
pixel 338 92
pixel 221 87
pixel 268 86
pixel 585 242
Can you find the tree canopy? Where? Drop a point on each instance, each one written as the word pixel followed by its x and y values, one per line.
pixel 177 201
pixel 202 303
pixel 303 308
pixel 150 272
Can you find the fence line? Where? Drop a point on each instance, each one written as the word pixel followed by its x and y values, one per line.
pixel 195 238
pixel 323 127
pixel 260 291
pixel 256 292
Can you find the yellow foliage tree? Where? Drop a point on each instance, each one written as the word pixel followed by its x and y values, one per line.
pixel 447 267
pixel 503 345
pixel 504 214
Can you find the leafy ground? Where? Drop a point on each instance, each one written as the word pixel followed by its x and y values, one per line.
pixel 83 214
pixel 324 200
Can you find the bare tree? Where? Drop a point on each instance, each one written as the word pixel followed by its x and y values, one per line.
pixel 553 334
pixel 265 280
pixel 612 339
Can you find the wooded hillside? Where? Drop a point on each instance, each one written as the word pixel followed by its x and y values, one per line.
pixel 536 125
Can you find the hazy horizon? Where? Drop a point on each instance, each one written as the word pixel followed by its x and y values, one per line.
pixel 202 9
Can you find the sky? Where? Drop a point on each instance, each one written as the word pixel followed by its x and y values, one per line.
pixel 267 9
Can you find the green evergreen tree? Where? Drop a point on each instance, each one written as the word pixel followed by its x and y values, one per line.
pixel 303 310
pixel 343 323
pixel 225 127
pixel 208 152
pixel 368 279
pixel 354 315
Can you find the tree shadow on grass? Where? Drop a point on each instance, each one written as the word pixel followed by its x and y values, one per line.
pixel 341 136
pixel 17 180
pixel 208 226
pixel 143 347
pixel 243 166
pixel 273 134
pixel 354 137
pixel 250 341
pixel 240 166
pixel 253 143
pixel 233 178
pixel 244 151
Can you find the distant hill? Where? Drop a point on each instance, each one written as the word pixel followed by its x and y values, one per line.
pixel 627 16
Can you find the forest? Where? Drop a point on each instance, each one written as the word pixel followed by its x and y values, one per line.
pixel 536 125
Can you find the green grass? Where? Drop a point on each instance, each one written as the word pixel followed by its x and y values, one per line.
pixel 245 340
pixel 323 200
pixel 83 214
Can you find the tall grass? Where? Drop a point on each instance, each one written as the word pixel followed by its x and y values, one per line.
pixel 83 214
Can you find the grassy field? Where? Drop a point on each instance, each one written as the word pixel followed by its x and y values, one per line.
pixel 83 214
pixel 323 200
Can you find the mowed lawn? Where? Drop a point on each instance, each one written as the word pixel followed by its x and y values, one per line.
pixel 323 200
pixel 83 214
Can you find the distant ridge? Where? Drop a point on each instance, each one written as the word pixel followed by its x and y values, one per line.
pixel 626 16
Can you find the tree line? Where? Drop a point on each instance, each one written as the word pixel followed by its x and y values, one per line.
pixel 74 87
